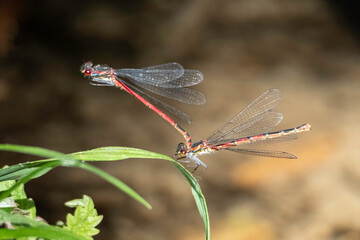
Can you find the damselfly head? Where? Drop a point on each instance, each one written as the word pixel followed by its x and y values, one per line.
pixel 181 151
pixel 86 68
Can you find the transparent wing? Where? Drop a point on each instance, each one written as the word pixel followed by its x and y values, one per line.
pixel 264 153
pixel 189 78
pixel 154 75
pixel 160 104
pixel 185 95
pixel 259 124
pixel 258 117
pixel 167 80
pixel 281 138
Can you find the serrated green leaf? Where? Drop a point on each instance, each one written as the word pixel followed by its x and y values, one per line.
pixel 85 217
pixel 8 203
pixel 24 202
pixel 19 198
pixel 32 228
pixel 5 185
pixel 74 203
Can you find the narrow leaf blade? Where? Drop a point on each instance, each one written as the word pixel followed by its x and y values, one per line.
pixel 115 154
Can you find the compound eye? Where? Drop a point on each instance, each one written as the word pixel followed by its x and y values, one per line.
pixel 87 72
pixel 183 152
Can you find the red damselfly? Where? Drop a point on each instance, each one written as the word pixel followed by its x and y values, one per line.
pixel 169 80
pixel 250 126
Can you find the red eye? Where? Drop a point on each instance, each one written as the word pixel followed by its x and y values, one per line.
pixel 87 72
pixel 182 151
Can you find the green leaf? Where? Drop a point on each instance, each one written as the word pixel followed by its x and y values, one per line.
pixel 8 203
pixel 5 185
pixel 105 154
pixel 116 153
pixel 18 198
pixel 28 177
pixel 116 182
pixel 24 169
pixel 37 168
pixel 121 153
pixel 37 151
pixel 24 203
pixel 198 196
pixel 20 170
pixel 31 228
pixel 85 218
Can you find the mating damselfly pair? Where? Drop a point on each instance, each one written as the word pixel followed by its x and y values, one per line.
pixel 252 125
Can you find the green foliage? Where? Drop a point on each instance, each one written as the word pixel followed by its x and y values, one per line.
pixel 25 172
pixel 27 228
pixel 17 200
pixel 85 218
pixel 19 212
pixel 116 153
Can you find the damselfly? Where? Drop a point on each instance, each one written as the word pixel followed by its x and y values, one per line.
pixel 250 126
pixel 169 80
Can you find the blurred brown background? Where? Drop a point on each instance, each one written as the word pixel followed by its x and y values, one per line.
pixel 308 49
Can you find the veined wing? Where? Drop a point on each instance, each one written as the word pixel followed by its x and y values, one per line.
pixel 158 103
pixel 190 77
pixel 185 95
pixel 257 118
pixel 264 153
pixel 154 75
